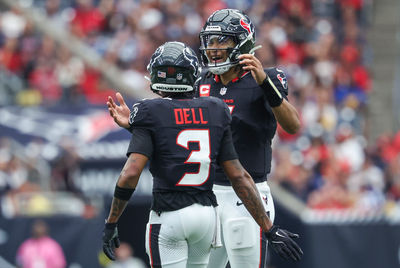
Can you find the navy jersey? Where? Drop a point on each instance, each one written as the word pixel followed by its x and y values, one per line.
pixel 253 123
pixel 185 140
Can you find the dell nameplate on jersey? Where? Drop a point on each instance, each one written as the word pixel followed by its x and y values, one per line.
pixel 190 116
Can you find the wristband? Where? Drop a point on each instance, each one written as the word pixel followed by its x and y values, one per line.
pixel 271 231
pixel 274 97
pixel 123 193
pixel 110 226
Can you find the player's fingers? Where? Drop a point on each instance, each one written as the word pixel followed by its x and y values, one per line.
pixel 107 249
pixel 288 252
pixel 279 248
pixel 116 242
pixel 297 248
pixel 292 235
pixel 120 98
pixel 110 106
pixel 247 62
pixel 246 56
pixel 111 101
pixel 251 63
pixel 296 255
pixel 249 67
pixel 112 112
pixel 257 61
pixel 283 253
pixel 250 57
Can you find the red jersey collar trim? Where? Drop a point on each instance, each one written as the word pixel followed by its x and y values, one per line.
pixel 217 79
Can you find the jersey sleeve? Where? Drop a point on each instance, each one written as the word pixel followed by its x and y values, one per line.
pixel 279 79
pixel 141 128
pixel 227 150
pixel 140 116
pixel 141 142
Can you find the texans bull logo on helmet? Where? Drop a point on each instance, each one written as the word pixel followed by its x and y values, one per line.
pixel 245 26
pixel 282 78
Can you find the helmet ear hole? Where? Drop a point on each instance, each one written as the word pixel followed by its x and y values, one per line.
pixel 234 55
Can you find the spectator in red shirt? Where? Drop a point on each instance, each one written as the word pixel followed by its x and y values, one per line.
pixel 10 56
pixel 87 19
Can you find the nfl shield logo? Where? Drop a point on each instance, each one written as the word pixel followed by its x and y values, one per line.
pixel 223 91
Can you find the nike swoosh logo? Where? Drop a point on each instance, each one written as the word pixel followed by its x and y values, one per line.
pixel 239 203
pixel 280 234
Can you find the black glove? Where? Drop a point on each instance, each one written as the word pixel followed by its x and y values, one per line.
pixel 283 244
pixel 110 240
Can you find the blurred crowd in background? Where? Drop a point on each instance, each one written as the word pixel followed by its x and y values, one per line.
pixel 320 44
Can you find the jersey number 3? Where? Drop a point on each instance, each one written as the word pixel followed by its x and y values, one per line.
pixel 201 156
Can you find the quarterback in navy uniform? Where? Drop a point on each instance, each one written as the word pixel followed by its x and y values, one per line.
pixel 184 138
pixel 257 99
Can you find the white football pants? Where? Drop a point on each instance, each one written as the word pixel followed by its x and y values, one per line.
pixel 182 238
pixel 243 241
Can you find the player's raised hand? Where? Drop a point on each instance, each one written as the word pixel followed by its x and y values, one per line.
pixel 251 63
pixel 110 240
pixel 120 113
pixel 283 244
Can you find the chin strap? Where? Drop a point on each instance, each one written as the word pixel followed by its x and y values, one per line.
pixel 221 69
pixel 218 70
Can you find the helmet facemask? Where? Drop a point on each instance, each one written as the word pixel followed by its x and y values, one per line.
pixel 211 47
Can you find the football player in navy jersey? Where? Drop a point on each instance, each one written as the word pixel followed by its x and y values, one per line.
pixel 184 138
pixel 257 99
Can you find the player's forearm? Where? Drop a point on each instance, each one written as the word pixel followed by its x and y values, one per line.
pixel 123 192
pixel 126 184
pixel 117 208
pixel 247 191
pixel 287 117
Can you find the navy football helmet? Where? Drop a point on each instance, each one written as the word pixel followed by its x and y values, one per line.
pixel 227 24
pixel 173 67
